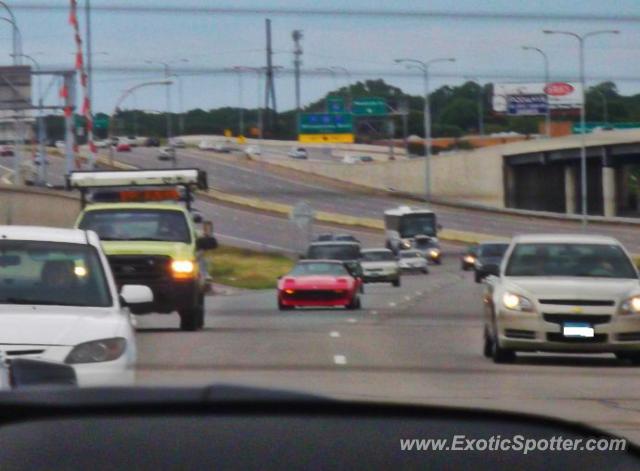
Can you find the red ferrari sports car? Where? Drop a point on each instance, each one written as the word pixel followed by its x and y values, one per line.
pixel 319 283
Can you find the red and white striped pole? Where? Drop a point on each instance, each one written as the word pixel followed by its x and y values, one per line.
pixel 80 68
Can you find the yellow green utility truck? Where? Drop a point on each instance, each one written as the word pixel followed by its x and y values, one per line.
pixel 147 228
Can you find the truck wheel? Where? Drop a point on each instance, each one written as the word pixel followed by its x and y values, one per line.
pixel 193 319
pixel 478 277
pixel 396 282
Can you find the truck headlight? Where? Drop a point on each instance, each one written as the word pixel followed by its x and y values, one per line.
pixel 434 253
pixel 183 268
pixel 97 351
pixel 516 302
pixel 631 305
pixel 405 244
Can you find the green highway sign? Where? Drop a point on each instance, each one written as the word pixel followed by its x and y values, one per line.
pixel 370 106
pixel 325 123
pixel 335 104
pixel 101 122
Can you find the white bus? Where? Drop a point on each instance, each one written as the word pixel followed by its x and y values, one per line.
pixel 403 224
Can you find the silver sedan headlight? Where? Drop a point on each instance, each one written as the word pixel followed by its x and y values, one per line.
pixel 515 302
pixel 631 305
pixel 97 351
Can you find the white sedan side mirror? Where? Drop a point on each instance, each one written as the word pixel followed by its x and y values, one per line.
pixel 136 294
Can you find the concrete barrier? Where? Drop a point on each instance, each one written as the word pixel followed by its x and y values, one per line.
pixel 37 207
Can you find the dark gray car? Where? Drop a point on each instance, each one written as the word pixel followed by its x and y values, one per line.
pixel 488 259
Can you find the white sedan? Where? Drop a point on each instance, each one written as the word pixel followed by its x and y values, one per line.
pixel 413 260
pixel 59 303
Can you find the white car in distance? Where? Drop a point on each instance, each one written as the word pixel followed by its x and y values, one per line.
pixel 59 303
pixel 413 260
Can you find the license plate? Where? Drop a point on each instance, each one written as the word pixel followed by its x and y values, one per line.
pixel 577 329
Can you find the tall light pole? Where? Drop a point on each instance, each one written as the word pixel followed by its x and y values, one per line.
pixel 583 144
pixel 17 50
pixel 258 71
pixel 122 97
pixel 348 74
pixel 547 117
pixel 167 76
pixel 424 67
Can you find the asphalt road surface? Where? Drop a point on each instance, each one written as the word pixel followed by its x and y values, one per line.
pixel 419 343
pixel 260 181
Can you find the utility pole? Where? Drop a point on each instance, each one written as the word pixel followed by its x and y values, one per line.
pixel 297 63
pixel 270 89
pixel 583 126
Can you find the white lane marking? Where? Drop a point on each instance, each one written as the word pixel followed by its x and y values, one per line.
pixel 392 304
pixel 407 298
pixel 335 334
pixel 418 293
pixel 340 359
pixel 374 313
pixel 351 320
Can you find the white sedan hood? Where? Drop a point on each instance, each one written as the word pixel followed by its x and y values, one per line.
pixel 387 265
pixel 575 288
pixel 57 325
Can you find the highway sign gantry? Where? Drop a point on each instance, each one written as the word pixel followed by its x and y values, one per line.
pixel 370 106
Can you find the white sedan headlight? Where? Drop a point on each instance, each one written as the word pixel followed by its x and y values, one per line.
pixel 516 302
pixel 97 351
pixel 631 306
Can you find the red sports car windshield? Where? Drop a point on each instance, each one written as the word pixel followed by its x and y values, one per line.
pixel 319 269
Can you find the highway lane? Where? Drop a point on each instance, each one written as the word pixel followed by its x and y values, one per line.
pixel 260 181
pixel 420 343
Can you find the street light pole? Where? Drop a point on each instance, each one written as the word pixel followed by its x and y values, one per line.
pixel 122 97
pixel 546 82
pixel 14 36
pixel 583 143
pixel 424 67
pixel 605 107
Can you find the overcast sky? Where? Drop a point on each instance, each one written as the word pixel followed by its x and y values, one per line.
pixel 365 43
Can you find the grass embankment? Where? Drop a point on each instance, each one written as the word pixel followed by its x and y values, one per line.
pixel 243 268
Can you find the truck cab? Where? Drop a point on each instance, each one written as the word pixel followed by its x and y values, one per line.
pixel 150 237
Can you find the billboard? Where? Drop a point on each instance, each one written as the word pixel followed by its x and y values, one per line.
pixel 560 95
pixel 526 105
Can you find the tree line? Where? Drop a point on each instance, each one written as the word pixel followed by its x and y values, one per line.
pixel 455 112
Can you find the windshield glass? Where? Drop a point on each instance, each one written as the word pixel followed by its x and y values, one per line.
pixel 143 224
pixel 381 256
pixel 570 260
pixel 311 269
pixel 334 252
pixel 492 250
pixel 50 273
pixel 417 224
